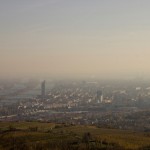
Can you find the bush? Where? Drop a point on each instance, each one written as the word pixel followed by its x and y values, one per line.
pixel 33 129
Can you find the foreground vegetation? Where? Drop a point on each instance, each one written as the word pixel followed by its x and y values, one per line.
pixel 45 136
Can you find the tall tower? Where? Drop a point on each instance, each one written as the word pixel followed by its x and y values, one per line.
pixel 99 96
pixel 43 89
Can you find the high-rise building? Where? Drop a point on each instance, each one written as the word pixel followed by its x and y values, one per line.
pixel 43 89
pixel 99 96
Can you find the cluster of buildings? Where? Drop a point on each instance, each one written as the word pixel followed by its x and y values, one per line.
pixel 78 102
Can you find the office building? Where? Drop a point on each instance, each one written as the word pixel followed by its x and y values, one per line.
pixel 43 89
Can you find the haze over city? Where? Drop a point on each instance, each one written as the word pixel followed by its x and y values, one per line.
pixel 74 38
pixel 74 74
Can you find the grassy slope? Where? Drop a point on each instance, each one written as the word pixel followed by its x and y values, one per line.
pixel 51 132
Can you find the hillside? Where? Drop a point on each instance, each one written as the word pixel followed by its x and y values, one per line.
pixel 44 136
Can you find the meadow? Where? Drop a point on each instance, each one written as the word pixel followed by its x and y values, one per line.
pixel 45 136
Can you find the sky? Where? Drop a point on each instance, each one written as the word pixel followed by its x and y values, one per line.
pixel 74 38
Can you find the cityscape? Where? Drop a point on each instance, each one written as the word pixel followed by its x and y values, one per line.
pixel 74 74
pixel 113 104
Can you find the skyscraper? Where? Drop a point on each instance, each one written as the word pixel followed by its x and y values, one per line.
pixel 43 89
pixel 99 96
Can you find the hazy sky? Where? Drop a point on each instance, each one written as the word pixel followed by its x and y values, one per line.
pixel 76 38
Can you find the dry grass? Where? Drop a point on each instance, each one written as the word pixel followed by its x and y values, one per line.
pixel 48 132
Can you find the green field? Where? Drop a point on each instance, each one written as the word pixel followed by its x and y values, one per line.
pixel 44 136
